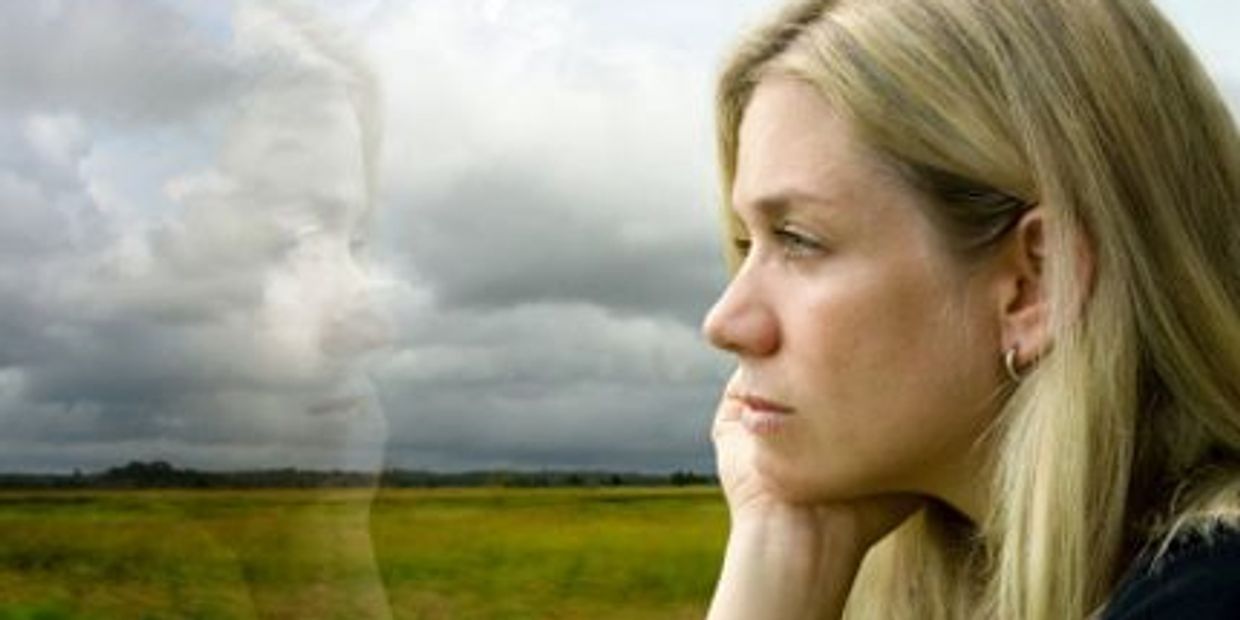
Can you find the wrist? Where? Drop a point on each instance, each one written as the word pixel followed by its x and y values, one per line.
pixel 792 563
pixel 815 531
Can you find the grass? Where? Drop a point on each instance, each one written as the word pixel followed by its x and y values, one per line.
pixel 620 553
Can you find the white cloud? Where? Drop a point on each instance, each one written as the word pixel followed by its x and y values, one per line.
pixel 214 305
pixel 60 140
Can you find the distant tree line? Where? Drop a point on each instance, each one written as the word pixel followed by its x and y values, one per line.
pixel 545 478
pixel 164 475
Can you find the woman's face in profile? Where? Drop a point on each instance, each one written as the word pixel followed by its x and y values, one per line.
pixel 286 200
pixel 848 313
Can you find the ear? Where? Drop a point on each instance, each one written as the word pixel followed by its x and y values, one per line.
pixel 1021 289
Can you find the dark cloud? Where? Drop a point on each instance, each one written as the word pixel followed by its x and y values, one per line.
pixel 617 422
pixel 180 193
pixel 556 254
pixel 30 224
pixel 502 237
pixel 201 321
pixel 553 202
pixel 523 383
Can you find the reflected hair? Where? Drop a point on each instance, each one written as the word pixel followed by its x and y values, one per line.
pixel 1127 432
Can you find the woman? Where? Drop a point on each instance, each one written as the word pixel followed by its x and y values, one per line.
pixel 986 314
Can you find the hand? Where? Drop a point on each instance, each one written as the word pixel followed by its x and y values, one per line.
pixel 789 559
pixel 751 497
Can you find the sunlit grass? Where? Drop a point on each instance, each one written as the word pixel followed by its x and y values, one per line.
pixel 444 553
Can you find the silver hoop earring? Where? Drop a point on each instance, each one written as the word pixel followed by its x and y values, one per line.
pixel 1009 362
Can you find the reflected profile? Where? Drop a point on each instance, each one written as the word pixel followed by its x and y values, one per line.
pixel 198 203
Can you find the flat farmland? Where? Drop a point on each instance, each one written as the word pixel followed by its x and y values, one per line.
pixel 618 553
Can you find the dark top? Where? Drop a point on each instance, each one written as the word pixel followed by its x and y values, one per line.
pixel 1196 579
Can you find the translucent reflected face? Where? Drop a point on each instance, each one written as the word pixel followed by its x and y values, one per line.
pixel 319 315
pixel 318 320
pixel 847 315
pixel 179 225
pixel 317 305
pixel 292 183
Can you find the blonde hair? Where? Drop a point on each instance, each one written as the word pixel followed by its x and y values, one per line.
pixel 1127 431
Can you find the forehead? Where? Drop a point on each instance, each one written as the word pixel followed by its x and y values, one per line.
pixel 793 144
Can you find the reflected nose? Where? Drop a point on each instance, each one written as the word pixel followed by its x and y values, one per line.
pixel 357 328
pixel 741 321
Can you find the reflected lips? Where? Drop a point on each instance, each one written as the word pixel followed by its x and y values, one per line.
pixel 761 416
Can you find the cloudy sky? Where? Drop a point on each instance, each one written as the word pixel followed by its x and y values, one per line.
pixel 420 233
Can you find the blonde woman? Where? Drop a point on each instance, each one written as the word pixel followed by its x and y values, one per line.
pixel 986 316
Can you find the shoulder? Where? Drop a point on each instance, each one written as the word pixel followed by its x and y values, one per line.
pixel 1198 577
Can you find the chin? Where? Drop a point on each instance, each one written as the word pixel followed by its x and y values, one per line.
pixel 800 482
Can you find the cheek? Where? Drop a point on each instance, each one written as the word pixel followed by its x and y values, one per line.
pixel 885 377
pixel 879 338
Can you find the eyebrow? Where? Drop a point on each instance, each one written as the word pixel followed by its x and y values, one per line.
pixel 777 205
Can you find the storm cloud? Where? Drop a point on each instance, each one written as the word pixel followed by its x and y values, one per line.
pixel 179 278
pixel 204 257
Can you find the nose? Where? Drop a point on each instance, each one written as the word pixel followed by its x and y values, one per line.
pixel 741 321
pixel 355 323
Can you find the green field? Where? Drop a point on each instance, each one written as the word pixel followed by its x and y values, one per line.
pixel 621 553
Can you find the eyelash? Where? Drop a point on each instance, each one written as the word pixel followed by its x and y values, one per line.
pixel 797 244
pixel 793 244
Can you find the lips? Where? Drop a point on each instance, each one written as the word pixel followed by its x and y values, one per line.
pixel 765 405
pixel 762 416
